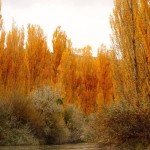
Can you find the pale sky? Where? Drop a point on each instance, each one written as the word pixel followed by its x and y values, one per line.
pixel 86 22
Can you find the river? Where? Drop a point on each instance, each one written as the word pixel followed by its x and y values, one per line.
pixel 82 146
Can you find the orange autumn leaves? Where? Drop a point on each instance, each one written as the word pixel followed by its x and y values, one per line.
pixel 27 64
pixel 131 40
pixel 123 73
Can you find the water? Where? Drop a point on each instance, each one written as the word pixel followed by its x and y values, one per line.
pixel 82 146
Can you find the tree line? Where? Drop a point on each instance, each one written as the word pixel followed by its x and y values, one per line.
pixel 120 73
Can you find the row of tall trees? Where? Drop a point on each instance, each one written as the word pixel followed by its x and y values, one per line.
pixel 131 39
pixel 27 64
pixel 87 81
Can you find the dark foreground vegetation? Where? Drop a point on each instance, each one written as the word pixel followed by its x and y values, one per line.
pixel 41 118
pixel 122 126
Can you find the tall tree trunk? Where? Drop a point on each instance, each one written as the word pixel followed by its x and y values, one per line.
pixel 135 67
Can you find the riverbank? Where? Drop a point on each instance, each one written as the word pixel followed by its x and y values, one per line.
pixel 79 146
pixel 41 119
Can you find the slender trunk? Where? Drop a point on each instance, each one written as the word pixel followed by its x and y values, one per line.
pixel 134 50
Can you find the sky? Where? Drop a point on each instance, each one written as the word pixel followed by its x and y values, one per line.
pixel 86 22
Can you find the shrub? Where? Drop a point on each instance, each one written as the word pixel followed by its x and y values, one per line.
pixel 24 111
pixel 90 133
pixel 124 124
pixel 75 121
pixel 11 131
pixel 18 136
pixel 47 103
